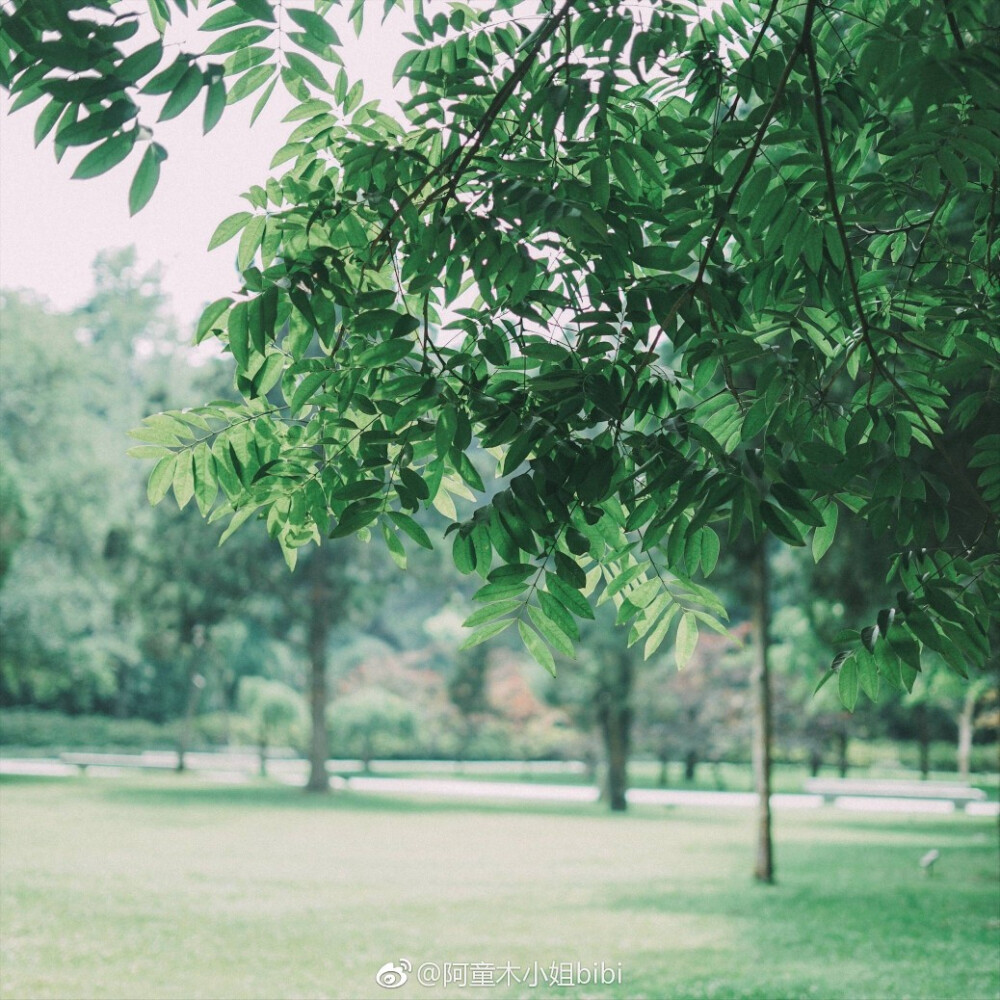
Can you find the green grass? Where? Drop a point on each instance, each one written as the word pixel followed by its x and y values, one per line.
pixel 163 886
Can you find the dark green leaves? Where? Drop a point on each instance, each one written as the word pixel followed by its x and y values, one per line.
pixel 105 155
pixel 215 104
pixel 146 177
pixel 183 94
pixel 848 683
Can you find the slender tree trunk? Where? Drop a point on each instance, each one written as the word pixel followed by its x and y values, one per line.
pixel 761 685
pixel 842 740
pixel 196 684
pixel 965 720
pixel 616 725
pixel 319 631
pixel 924 740
pixel 615 731
pixel 664 762
pixel 690 766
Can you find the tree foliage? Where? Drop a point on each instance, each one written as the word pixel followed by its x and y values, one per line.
pixel 681 270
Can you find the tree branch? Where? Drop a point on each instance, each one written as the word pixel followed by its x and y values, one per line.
pixel 479 135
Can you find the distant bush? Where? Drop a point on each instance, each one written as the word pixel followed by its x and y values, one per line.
pixel 219 729
pixel 32 729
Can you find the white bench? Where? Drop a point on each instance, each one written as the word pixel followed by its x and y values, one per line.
pixel 85 760
pixel 836 788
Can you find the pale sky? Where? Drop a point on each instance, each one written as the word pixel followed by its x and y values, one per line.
pixel 52 227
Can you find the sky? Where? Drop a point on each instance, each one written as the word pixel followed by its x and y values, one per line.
pixel 52 227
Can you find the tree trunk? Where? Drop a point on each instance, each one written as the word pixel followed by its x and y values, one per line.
pixel 616 723
pixel 924 741
pixel 761 686
pixel 842 739
pixel 815 762
pixel 195 685
pixel 690 765
pixel 615 732
pixel 319 630
pixel 965 720
pixel 664 762
pixel 262 750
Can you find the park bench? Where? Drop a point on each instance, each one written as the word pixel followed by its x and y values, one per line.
pixel 836 788
pixel 145 761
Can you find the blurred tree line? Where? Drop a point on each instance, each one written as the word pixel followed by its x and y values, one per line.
pixel 112 609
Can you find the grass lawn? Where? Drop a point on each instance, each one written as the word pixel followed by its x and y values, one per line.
pixel 164 886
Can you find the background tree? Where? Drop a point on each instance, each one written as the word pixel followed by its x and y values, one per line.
pixel 276 712
pixel 370 723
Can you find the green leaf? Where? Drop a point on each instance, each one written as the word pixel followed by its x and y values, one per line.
pixel 780 523
pixel 239 335
pixel 867 673
pixel 827 675
pixel 160 14
pixel 141 62
pixel 183 479
pixel 570 571
pixel 414 483
pixel 797 505
pixel 599 182
pixel 487 632
pixel 206 486
pixel 160 479
pixel 535 645
pixel 710 550
pixel 655 638
pixel 215 104
pixel 756 419
pixel 687 639
pixel 250 241
pixel 359 489
pixel 262 100
pixel 250 81
pixel 239 518
pixel 146 178
pixel 847 683
pixel 394 545
pixel 259 9
pixel 823 537
pixel 411 528
pixel 47 119
pixel 558 614
pixel 551 632
pixel 148 451
pixel 305 69
pixel 623 171
pixel 228 228
pixel 187 89
pixel 317 27
pixel 384 354
pixel 568 596
pixel 354 517
pixel 108 154
pixel 206 324
pixel 463 553
pixel 491 612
